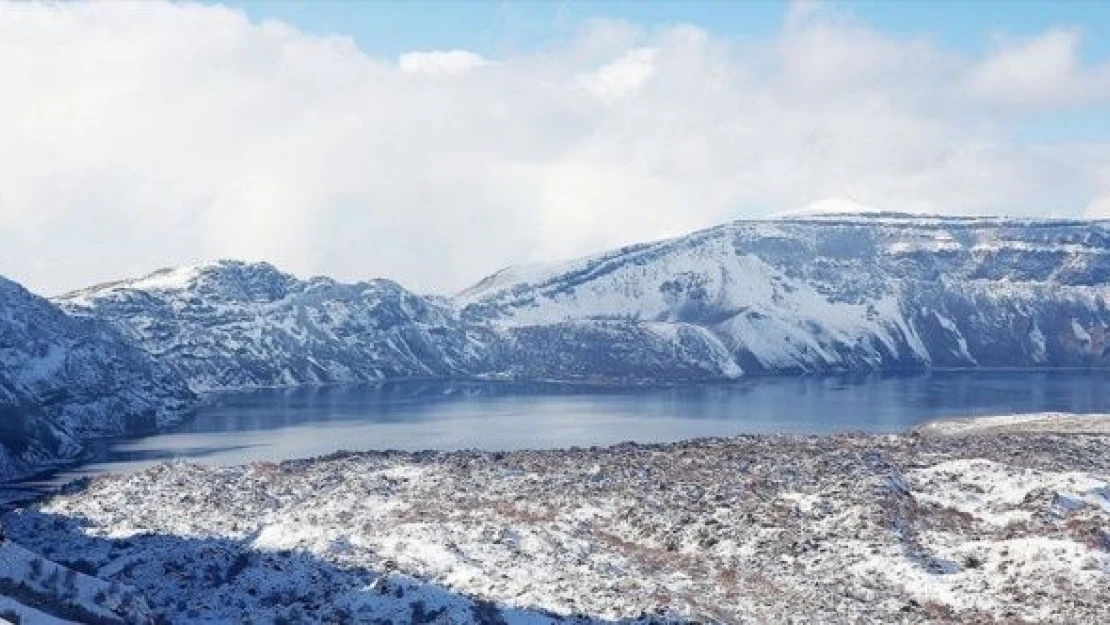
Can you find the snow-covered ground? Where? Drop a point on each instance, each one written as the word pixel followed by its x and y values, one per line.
pixel 36 590
pixel 1055 422
pixel 844 528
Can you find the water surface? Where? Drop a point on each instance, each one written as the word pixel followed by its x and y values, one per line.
pixel 272 425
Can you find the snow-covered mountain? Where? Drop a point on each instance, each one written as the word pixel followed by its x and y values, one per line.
pixel 818 292
pixel 64 380
pixel 233 324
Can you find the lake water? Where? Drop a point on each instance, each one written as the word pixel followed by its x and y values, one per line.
pixel 281 424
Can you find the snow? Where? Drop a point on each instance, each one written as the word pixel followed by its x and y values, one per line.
pixel 1051 422
pixel 178 278
pixel 1080 332
pixel 167 279
pixel 529 273
pixel 953 519
pixel 248 325
pixel 27 614
pixel 45 366
pixel 39 589
pixel 788 323
pixel 961 342
pixel 846 293
pixel 848 528
pixel 991 491
pixel 843 205
pixel 1037 342
pixel 73 379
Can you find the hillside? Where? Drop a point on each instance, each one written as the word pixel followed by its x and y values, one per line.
pixel 233 324
pixel 64 380
pixel 829 292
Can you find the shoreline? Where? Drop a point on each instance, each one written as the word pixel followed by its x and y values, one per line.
pixel 1044 423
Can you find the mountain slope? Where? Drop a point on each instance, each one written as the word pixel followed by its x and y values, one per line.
pixel 880 291
pixel 850 292
pixel 233 324
pixel 64 380
pixel 36 590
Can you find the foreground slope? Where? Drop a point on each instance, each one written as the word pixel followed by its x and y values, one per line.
pixel 766 529
pixel 233 324
pixel 64 380
pixel 878 291
pixel 36 590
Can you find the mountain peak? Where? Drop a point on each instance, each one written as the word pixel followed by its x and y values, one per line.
pixel 838 205
pixel 235 277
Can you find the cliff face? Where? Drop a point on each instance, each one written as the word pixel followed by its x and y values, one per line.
pixel 810 294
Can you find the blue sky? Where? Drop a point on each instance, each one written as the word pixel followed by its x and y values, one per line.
pixel 489 28
pixel 494 29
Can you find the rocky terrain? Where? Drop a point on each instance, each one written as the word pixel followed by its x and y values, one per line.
pixel 974 526
pixel 64 380
pixel 799 294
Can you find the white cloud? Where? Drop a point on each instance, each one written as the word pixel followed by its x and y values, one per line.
pixel 451 63
pixel 134 136
pixel 1044 70
pixel 621 76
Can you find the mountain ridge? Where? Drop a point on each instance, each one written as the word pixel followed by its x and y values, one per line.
pixel 232 324
pixel 873 291
pixel 799 279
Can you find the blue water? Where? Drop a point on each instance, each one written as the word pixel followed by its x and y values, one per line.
pixel 280 424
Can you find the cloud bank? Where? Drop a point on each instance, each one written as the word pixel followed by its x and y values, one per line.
pixel 134 136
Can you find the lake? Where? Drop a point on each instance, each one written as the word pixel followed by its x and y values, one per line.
pixel 242 427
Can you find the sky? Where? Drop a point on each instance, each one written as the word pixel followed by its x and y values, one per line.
pixel 435 143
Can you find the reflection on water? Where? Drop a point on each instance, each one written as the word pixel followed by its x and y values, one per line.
pixel 280 424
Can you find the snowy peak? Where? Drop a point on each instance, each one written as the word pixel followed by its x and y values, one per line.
pixel 843 205
pixel 230 280
pixel 235 281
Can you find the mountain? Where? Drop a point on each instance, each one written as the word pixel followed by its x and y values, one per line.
pixel 64 380
pixel 233 324
pixel 814 293
pixel 818 291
